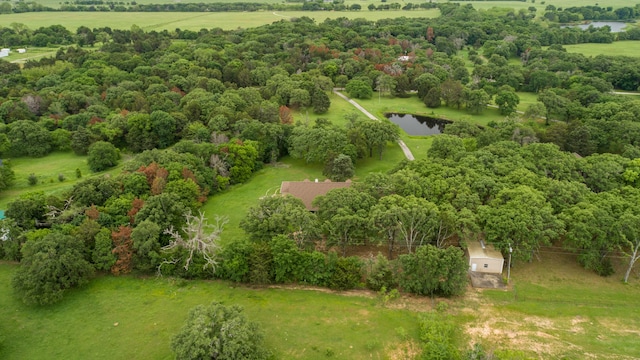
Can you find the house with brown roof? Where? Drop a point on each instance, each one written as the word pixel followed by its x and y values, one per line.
pixel 307 190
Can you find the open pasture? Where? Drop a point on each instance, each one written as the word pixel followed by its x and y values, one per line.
pixel 515 4
pixel 158 21
pixel 48 169
pixel 625 48
pixel 134 318
pixel 555 309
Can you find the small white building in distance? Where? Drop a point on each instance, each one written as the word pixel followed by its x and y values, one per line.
pixel 484 258
pixel 22 51
pixel 4 52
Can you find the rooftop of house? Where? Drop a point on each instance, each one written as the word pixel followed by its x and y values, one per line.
pixel 307 190
pixel 480 250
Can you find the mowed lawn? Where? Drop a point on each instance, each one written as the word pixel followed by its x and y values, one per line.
pixel 619 48
pixel 419 145
pixel 135 318
pixel 234 203
pixel 47 169
pixel 192 20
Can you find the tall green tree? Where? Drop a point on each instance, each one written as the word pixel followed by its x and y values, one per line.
pixel 219 332
pixel 507 100
pixel 522 219
pixel 279 215
pixel 102 155
pixel 343 216
pixel 49 267
pixel 28 139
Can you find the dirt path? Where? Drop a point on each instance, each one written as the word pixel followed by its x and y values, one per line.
pixel 403 146
pixel 23 60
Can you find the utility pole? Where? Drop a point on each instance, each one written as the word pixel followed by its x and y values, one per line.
pixel 509 264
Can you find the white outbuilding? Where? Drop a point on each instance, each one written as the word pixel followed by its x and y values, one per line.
pixel 484 258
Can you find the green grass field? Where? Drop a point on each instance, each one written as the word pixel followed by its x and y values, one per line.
pixel 135 318
pixel 514 4
pixel 554 309
pixel 235 202
pixel 33 53
pixel 47 170
pixel 558 308
pixel 411 105
pixel 191 21
pixel 626 48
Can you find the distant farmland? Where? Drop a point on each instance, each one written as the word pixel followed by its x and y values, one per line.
pixel 191 20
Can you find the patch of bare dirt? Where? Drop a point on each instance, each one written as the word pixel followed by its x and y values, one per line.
pixel 616 327
pixel 535 334
pixel 402 351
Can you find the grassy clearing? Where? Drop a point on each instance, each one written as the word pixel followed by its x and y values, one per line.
pixel 626 48
pixel 235 202
pixel 411 105
pixel 526 99
pixel 192 21
pixel 556 309
pixel 298 324
pixel 33 53
pixel 47 170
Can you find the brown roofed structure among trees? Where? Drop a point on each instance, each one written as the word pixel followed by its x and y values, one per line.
pixel 307 190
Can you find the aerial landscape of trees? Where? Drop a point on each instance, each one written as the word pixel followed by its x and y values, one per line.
pixel 168 120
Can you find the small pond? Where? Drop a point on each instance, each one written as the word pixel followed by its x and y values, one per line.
pixel 418 125
pixel 615 26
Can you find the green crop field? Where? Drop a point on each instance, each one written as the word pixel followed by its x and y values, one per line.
pixel 191 21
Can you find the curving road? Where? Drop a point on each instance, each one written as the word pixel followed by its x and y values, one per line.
pixel 403 146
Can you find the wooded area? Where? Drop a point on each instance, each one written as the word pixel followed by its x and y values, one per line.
pixel 198 112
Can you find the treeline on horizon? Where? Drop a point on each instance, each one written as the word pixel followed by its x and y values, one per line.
pixel 552 13
pixel 133 6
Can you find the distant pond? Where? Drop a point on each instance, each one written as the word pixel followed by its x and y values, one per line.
pixel 417 124
pixel 616 26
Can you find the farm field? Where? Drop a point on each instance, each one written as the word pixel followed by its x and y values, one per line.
pixel 191 21
pixel 364 3
pixel 33 53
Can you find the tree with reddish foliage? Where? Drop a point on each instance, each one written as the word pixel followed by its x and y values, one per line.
pixel 92 212
pixel 123 249
pixel 158 185
pixel 285 115
pixel 136 205
pixel 156 177
pixel 430 34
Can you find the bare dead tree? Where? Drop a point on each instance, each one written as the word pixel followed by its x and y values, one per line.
pixel 54 211
pixel 219 138
pixel 33 102
pixel 199 238
pixel 219 165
